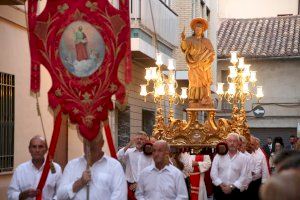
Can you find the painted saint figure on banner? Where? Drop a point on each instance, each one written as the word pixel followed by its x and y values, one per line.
pixel 81 49
pixel 81 44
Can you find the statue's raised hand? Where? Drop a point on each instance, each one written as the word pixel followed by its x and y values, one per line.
pixel 183 34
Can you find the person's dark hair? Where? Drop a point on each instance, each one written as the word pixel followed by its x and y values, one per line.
pixel 148 148
pixel 179 164
pixel 292 136
pixel 284 155
pixel 277 140
pixel 222 148
pixel 292 162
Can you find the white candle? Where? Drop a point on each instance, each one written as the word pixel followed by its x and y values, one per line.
pixel 234 58
pixel 231 89
pixel 253 76
pixel 220 90
pixel 171 64
pixel 143 90
pixel 183 93
pixel 159 61
pixel 259 92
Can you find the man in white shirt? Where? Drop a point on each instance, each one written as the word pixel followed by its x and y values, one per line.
pixel 27 175
pixel 161 180
pixel 229 171
pixel 260 171
pixel 134 160
pixel 103 178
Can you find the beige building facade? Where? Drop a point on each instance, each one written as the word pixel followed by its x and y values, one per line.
pixel 256 8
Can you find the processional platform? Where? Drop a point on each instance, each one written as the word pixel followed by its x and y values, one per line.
pixel 195 134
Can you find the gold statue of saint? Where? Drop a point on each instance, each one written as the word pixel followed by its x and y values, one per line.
pixel 199 54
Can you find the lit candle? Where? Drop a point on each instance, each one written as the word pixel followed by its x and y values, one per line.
pixel 246 88
pixel 253 76
pixel 160 89
pixel 231 89
pixel 220 90
pixel 234 58
pixel 259 92
pixel 171 64
pixel 171 76
pixel 148 75
pixel 233 72
pixel 183 93
pixel 159 61
pixel 246 71
pixel 143 90
pixel 171 89
pixel 241 63
pixel 153 73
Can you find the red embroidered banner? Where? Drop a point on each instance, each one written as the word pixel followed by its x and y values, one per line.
pixel 81 43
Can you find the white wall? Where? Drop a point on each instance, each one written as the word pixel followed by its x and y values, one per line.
pixel 256 8
pixel 280 81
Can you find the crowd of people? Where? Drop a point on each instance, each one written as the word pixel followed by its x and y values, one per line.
pixel 146 169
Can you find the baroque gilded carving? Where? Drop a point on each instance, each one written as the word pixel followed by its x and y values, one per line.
pixel 193 133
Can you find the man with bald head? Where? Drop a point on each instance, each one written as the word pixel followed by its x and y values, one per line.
pixel 95 172
pixel 229 171
pixel 161 180
pixel 27 175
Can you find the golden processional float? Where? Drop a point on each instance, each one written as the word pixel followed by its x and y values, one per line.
pixel 199 57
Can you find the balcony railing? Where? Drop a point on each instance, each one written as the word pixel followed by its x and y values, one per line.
pixel 165 20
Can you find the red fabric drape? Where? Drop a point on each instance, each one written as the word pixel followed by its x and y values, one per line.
pixel 35 66
pixel 207 179
pixel 110 141
pixel 195 179
pixel 50 155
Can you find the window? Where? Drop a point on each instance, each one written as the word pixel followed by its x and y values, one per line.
pixel 148 121
pixel 208 14
pixel 202 9
pixel 7 118
pixel 124 127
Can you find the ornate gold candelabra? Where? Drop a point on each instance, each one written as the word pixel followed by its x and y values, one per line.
pixel 241 87
pixel 164 86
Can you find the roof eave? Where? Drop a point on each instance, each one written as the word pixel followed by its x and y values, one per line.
pixel 263 58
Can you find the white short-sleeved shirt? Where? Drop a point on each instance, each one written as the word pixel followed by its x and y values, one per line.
pixel 107 182
pixel 27 176
pixel 165 184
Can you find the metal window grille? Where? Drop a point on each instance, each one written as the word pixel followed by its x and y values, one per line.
pixel 7 118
